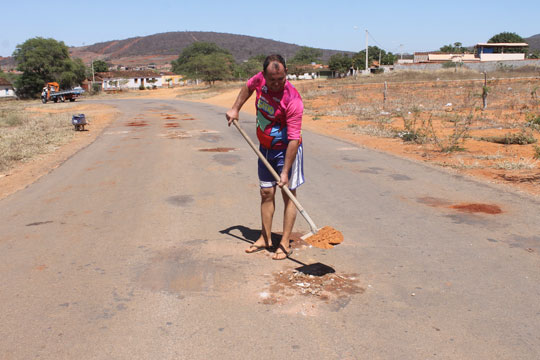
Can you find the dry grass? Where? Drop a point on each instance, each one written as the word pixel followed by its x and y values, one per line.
pixel 24 135
pixel 520 164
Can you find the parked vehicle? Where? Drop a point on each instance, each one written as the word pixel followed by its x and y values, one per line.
pixel 51 91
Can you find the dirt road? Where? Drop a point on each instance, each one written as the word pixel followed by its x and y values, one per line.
pixel 133 248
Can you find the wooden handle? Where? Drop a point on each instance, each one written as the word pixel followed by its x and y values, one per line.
pixel 276 176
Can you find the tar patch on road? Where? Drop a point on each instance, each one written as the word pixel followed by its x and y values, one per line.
pixel 226 159
pixel 211 138
pixel 180 200
pixel 39 223
pixel 177 272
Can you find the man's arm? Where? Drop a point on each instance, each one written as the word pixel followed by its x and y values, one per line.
pixel 290 155
pixel 241 99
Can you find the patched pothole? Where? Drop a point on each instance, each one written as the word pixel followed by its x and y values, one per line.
pixel 316 281
pixel 136 123
pixel 471 208
pixel 478 208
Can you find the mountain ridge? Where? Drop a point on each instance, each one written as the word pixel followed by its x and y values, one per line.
pixel 164 47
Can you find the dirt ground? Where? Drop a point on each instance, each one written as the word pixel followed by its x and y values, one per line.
pixel 443 121
pixel 22 175
pixel 444 114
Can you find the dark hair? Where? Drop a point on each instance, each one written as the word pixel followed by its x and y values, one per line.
pixel 274 58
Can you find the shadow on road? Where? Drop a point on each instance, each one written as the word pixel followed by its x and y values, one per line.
pixel 250 236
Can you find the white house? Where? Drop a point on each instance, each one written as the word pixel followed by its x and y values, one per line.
pixel 171 79
pixel 6 89
pixel 116 80
pixel 496 51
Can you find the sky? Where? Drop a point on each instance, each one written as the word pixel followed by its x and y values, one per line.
pixel 395 26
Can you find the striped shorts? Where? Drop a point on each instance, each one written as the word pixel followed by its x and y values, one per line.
pixel 276 158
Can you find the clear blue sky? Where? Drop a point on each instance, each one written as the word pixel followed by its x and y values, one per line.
pixel 340 24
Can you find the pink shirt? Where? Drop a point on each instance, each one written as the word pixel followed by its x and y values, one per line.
pixel 279 115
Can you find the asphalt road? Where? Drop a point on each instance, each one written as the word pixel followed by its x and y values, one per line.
pixel 134 249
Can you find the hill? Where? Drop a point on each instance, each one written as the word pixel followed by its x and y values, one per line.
pixel 534 42
pixel 164 47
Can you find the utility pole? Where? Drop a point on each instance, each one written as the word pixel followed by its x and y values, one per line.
pixel 367 69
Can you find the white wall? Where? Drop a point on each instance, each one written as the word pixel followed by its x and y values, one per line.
pixel 6 91
pixel 132 83
pixel 501 57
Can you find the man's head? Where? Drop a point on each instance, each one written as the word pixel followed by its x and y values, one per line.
pixel 275 72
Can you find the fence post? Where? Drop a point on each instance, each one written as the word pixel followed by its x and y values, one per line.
pixel 484 92
pixel 385 91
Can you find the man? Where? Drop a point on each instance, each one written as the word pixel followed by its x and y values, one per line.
pixel 279 122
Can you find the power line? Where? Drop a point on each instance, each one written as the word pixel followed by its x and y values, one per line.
pixel 378 43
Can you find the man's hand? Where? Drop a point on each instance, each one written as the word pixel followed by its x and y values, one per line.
pixel 231 115
pixel 283 180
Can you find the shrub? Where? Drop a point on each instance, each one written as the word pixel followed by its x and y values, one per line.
pixel 521 138
pixel 536 152
pixel 141 87
pixel 533 121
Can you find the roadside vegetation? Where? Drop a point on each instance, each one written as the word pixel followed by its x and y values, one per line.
pixel 45 60
pixel 25 134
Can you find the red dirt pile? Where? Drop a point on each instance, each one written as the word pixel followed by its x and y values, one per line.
pixel 325 238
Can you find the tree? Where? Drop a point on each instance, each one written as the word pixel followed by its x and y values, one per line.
pixel 100 66
pixel 250 67
pixel 306 55
pixel 205 61
pixel 11 77
pixel 457 48
pixel 509 37
pixel 340 63
pixel 45 60
pixel 359 59
pixel 193 51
